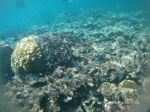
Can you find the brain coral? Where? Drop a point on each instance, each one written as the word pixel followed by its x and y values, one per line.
pixel 108 89
pixel 129 89
pixel 27 57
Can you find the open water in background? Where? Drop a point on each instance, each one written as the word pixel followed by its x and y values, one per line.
pixel 17 16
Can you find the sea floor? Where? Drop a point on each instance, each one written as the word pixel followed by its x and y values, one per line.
pixel 94 61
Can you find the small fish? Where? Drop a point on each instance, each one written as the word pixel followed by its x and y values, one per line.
pixel 66 1
pixel 65 13
pixel 113 59
pixel 17 74
pixel 78 66
pixel 104 77
pixel 119 43
pixel 32 76
pixel 136 44
pixel 36 32
pixel 68 21
pixel 48 54
pixel 20 4
pixel 47 23
pixel 121 96
pixel 99 59
pixel 118 68
pixel 66 76
pixel 120 76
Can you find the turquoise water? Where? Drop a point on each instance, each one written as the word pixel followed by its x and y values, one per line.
pixel 17 16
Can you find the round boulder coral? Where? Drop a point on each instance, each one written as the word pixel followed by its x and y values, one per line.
pixel 5 68
pixel 129 89
pixel 108 90
pixel 127 84
pixel 27 57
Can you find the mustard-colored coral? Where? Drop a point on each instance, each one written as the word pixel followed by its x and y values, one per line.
pixel 127 84
pixel 108 89
pixel 129 89
pixel 27 57
pixel 129 93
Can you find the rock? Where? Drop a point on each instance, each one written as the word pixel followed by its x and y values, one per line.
pixel 5 68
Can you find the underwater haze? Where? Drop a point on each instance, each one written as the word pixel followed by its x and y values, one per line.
pixel 17 16
pixel 74 56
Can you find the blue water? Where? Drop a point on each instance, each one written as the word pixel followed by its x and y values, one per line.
pixel 17 16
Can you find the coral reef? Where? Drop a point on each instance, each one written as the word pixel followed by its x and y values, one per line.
pixel 129 89
pixel 56 49
pixel 98 62
pixel 27 57
pixel 55 95
pixel 127 84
